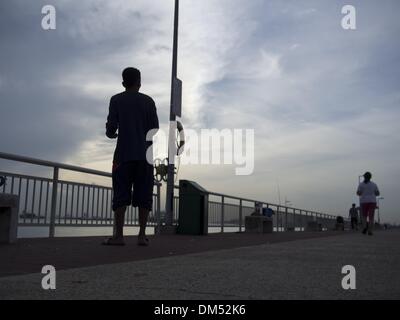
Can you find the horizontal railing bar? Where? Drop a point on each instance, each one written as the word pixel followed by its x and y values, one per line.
pixel 264 203
pixel 51 164
pixel 23 176
pixel 84 184
pixel 70 196
pixel 94 201
pixel 15 175
pixel 283 208
pixel 45 163
pixel 150 224
pixel 261 202
pixel 280 212
pixel 230 204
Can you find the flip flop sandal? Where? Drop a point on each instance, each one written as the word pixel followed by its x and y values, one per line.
pixel 113 242
pixel 143 243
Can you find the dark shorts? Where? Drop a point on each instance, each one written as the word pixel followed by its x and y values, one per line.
pixel 133 184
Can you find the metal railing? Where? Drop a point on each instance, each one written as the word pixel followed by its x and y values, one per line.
pixel 55 202
pixel 227 213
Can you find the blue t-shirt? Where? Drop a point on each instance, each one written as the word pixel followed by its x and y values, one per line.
pixel 133 114
pixel 268 212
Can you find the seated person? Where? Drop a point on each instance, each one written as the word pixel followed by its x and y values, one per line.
pixel 257 210
pixel 268 212
pixel 339 223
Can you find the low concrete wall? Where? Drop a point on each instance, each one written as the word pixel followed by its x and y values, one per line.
pixel 8 218
pixel 313 226
pixel 258 224
pixel 339 227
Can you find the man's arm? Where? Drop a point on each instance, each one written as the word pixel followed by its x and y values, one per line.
pixel 377 192
pixel 112 121
pixel 154 124
pixel 152 121
pixel 359 191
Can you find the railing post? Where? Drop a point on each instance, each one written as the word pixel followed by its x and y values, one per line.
pixel 302 219
pixel 294 218
pixel 240 215
pixel 286 215
pixel 114 228
pixel 223 214
pixel 301 224
pixel 277 218
pixel 158 208
pixel 53 203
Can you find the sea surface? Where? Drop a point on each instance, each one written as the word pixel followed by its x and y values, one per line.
pixel 43 232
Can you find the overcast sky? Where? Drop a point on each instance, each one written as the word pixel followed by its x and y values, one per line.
pixel 323 101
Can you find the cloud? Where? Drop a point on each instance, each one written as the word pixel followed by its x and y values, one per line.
pixel 322 101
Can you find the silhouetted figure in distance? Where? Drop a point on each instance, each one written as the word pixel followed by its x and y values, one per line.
pixel 133 115
pixel 353 215
pixel 368 191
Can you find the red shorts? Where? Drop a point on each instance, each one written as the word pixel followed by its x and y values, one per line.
pixel 368 209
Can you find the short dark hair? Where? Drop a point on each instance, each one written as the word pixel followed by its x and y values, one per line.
pixel 368 175
pixel 131 77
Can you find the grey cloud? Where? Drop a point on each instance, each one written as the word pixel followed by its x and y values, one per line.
pixel 41 115
pixel 54 86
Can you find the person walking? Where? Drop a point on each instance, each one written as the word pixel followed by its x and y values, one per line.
pixel 368 191
pixel 353 215
pixel 134 116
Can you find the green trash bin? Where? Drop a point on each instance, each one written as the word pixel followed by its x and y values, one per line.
pixel 193 209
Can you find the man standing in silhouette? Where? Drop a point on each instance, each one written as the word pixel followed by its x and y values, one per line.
pixel 368 191
pixel 133 115
pixel 353 214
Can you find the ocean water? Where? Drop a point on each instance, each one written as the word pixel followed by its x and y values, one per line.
pixel 43 232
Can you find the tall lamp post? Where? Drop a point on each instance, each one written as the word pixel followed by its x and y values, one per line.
pixel 379 209
pixel 171 150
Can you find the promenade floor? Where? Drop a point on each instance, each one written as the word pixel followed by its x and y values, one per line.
pixel 220 266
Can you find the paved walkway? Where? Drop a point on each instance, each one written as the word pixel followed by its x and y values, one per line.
pixel 29 255
pixel 302 269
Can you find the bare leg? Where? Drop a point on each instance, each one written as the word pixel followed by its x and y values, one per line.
pixel 364 223
pixel 371 222
pixel 118 238
pixel 364 217
pixel 119 222
pixel 143 216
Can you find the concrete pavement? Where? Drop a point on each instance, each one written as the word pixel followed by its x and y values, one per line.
pixel 301 269
pixel 29 255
